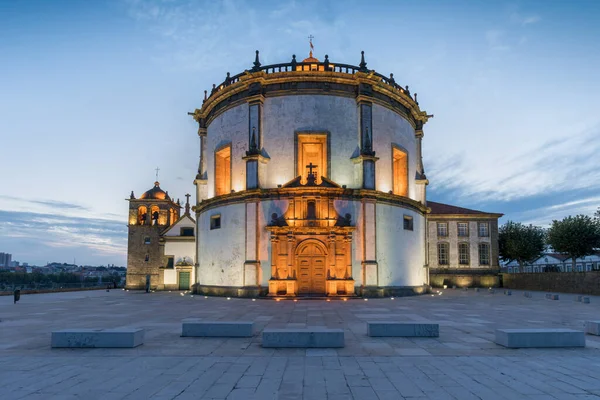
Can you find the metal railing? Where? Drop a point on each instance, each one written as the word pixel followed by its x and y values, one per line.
pixel 295 66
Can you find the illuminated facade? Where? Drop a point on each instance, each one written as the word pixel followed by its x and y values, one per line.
pixel 310 182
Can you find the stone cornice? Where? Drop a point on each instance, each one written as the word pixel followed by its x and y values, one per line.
pixel 459 217
pixel 284 193
pixel 359 85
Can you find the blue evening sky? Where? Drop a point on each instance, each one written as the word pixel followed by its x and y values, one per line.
pixel 94 96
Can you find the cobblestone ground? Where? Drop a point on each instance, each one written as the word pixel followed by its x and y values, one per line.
pixel 463 363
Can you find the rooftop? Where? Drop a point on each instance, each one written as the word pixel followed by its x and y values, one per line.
pixel 441 208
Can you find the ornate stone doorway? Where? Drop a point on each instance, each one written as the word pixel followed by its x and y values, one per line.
pixel 311 258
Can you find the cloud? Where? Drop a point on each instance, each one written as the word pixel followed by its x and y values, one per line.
pixel 92 237
pixel 48 203
pixel 524 19
pixel 528 170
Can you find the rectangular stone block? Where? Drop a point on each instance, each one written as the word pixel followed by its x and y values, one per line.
pixel 508 292
pixel 517 338
pixel 580 298
pixel 97 338
pixel 402 329
pixel 592 327
pixel 200 328
pixel 554 297
pixel 306 338
pixel 586 300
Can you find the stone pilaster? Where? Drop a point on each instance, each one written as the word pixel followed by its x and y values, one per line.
pixel 421 181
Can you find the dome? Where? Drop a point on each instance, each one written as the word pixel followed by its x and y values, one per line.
pixel 310 59
pixel 155 193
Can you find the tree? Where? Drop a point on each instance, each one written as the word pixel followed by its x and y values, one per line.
pixel 521 243
pixel 576 236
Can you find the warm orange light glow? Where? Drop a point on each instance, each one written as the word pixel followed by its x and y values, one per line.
pixel 400 172
pixel 223 171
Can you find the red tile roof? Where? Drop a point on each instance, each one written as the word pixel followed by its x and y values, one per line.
pixel 441 208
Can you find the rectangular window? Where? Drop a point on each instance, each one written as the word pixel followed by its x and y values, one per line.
pixel 443 253
pixel 311 156
pixel 463 229
pixel 484 230
pixel 579 268
pixel 147 240
pixel 187 232
pixel 215 221
pixel 400 172
pixel 147 258
pixel 463 253
pixel 408 223
pixel 170 262
pixel 442 229
pixel 484 254
pixel 223 171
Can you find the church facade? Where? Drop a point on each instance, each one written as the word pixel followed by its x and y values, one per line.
pixel 310 183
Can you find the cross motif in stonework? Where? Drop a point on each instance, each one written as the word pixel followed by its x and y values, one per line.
pixel 310 168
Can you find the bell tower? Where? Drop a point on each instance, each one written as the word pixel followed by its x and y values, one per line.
pixel 149 216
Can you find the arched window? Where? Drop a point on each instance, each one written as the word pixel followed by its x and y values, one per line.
pixel 443 253
pixel 400 171
pixel 463 253
pixel 223 170
pixel 154 214
pixel 142 216
pixel 484 254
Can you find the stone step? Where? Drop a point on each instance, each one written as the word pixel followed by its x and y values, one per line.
pixel 96 338
pixel 517 338
pixel 202 328
pixel 402 329
pixel 592 327
pixel 304 338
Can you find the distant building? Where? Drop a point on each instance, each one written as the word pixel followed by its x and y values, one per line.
pixel 5 259
pixel 555 262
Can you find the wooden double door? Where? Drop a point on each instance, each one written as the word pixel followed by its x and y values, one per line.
pixel 311 262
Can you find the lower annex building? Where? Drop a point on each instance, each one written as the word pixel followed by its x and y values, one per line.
pixel 310 183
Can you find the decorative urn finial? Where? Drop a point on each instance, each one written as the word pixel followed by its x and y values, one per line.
pixel 363 65
pixel 256 63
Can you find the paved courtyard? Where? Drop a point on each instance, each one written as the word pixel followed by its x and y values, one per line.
pixel 463 363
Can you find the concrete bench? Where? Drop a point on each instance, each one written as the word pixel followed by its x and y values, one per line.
pixel 592 327
pixel 508 292
pixel 586 300
pixel 516 338
pixel 200 328
pixel 90 338
pixel 551 296
pixel 402 329
pixel 305 337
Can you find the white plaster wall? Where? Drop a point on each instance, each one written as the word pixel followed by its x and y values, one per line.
pixel 179 249
pixel 390 128
pixel 229 127
pixel 284 115
pixel 222 251
pixel 400 253
pixel 176 229
pixel 170 276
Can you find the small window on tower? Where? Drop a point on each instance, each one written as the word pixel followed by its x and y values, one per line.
pixel 147 240
pixel 215 222
pixel 408 223
pixel 187 232
pixel 147 258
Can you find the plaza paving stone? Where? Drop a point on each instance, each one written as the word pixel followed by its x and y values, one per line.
pixel 462 363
